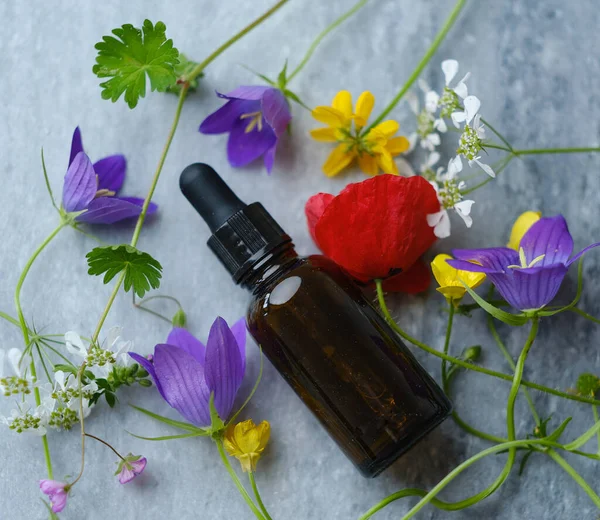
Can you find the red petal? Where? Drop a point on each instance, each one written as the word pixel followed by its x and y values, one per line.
pixel 315 206
pixel 378 225
pixel 413 281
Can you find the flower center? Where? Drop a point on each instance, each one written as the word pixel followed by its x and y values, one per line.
pixel 523 260
pixel 255 121
pixel 450 194
pixel 425 122
pixel 448 102
pixel 14 385
pixel 63 418
pixel 469 144
pixel 98 356
pixel 25 422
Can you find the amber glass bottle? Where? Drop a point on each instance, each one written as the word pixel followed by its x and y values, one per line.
pixel 320 332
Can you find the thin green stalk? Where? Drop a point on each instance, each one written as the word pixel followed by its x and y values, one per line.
pixel 196 71
pixel 257 495
pixel 322 35
pixel 498 134
pixel 447 342
pixel 10 319
pixel 575 476
pixel 467 365
pixel 25 331
pixel 236 481
pixel 585 315
pixel 422 64
pixel 505 163
pixel 106 310
pixel 498 147
pixel 596 419
pixel 541 151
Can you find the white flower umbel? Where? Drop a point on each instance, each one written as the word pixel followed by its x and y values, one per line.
pixel 25 419
pixel 471 143
pixel 19 382
pixel 455 102
pixel 448 189
pixel 426 120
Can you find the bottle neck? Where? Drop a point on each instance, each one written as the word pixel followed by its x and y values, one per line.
pixel 269 267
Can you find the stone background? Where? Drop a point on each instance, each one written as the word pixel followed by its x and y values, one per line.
pixel 535 68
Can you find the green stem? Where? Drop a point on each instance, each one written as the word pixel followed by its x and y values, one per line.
pixel 257 495
pixel 10 319
pixel 447 345
pixel 498 134
pixel 25 331
pixel 467 365
pixel 498 147
pixel 541 151
pixel 106 310
pixel 504 163
pixel 596 419
pixel 196 71
pixel 575 476
pixel 585 315
pixel 236 481
pixel 322 35
pixel 422 64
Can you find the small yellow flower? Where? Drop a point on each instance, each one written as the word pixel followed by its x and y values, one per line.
pixel 374 150
pixel 246 441
pixel 521 226
pixel 449 279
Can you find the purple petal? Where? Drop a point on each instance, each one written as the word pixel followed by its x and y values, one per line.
pixel 183 384
pixel 223 367
pixel 492 260
pixel 549 236
pixel 76 145
pixel 108 210
pixel 79 187
pixel 276 111
pixel 536 286
pixel 152 208
pixel 137 467
pixel 251 92
pixel 269 158
pixel 223 119
pixel 581 253
pixel 239 332
pixel 111 172
pixel 56 492
pixel 244 147
pixel 148 367
pixel 184 340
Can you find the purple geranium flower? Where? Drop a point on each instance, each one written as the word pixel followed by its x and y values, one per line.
pixel 57 491
pixel 130 467
pixel 186 372
pixel 528 279
pixel 255 118
pixel 93 188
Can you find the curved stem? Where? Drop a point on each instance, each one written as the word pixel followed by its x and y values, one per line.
pixel 196 71
pixel 237 482
pixel 575 476
pixel 105 444
pixel 424 61
pixel 10 319
pixel 322 35
pixel 257 495
pixel 584 314
pixel 465 364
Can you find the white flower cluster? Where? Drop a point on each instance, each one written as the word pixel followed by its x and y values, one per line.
pixel 462 109
pixel 60 398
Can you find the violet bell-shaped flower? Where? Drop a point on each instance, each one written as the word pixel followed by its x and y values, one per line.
pixel 90 190
pixel 186 372
pixel 530 278
pixel 255 118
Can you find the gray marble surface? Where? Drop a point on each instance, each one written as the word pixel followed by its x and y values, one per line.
pixel 536 71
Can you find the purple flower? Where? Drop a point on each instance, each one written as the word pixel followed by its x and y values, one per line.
pixel 255 117
pixel 528 279
pixel 130 467
pixel 186 372
pixel 58 493
pixel 93 188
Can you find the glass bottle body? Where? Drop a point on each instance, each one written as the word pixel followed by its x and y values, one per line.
pixel 342 359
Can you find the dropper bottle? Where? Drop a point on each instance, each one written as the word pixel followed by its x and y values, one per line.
pixel 320 332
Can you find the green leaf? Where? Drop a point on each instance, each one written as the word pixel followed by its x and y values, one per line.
pixel 170 437
pixel 182 69
pixel 142 272
pixel 261 76
pixel 506 317
pixel 171 422
pixel 65 368
pixel 524 462
pixel 555 435
pixel 133 55
pixel 48 187
pixel 282 77
pixel 111 399
pixel 289 94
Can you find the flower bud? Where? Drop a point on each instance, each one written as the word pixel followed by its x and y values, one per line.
pixel 146 383
pixel 180 319
pixel 246 442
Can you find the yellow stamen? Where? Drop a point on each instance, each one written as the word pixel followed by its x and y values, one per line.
pixel 105 193
pixel 255 121
pixel 523 260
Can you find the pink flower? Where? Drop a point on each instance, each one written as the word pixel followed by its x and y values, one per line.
pixel 130 467
pixel 58 493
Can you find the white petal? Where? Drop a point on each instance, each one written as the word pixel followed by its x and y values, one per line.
pixel 457 118
pixel 404 167
pixel 433 219
pixel 472 105
pixel 466 218
pixel 433 158
pixel 431 101
pixel 75 345
pixel 461 87
pixel 440 125
pixel 425 143
pixel 450 68
pixel 59 377
pixel 14 357
pixel 464 207
pixel 442 228
pixel 454 166
pixel 486 168
pixel 114 333
pixel 412 142
pixel 413 102
pixel 434 139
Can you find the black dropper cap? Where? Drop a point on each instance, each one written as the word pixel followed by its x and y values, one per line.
pixel 242 234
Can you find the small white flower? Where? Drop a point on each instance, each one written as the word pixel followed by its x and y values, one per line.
pixel 426 168
pixel 20 382
pixel 24 419
pixel 471 143
pixel 450 101
pixel 426 120
pixel 448 190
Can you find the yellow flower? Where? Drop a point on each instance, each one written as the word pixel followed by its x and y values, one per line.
pixel 449 279
pixel 246 441
pixel 521 226
pixel 374 150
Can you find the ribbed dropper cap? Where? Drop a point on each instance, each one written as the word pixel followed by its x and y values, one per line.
pixel 242 234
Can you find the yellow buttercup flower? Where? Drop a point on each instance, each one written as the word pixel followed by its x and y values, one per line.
pixel 521 226
pixel 246 442
pixel 449 279
pixel 374 149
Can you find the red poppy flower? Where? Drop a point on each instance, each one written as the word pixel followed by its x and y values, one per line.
pixel 377 228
